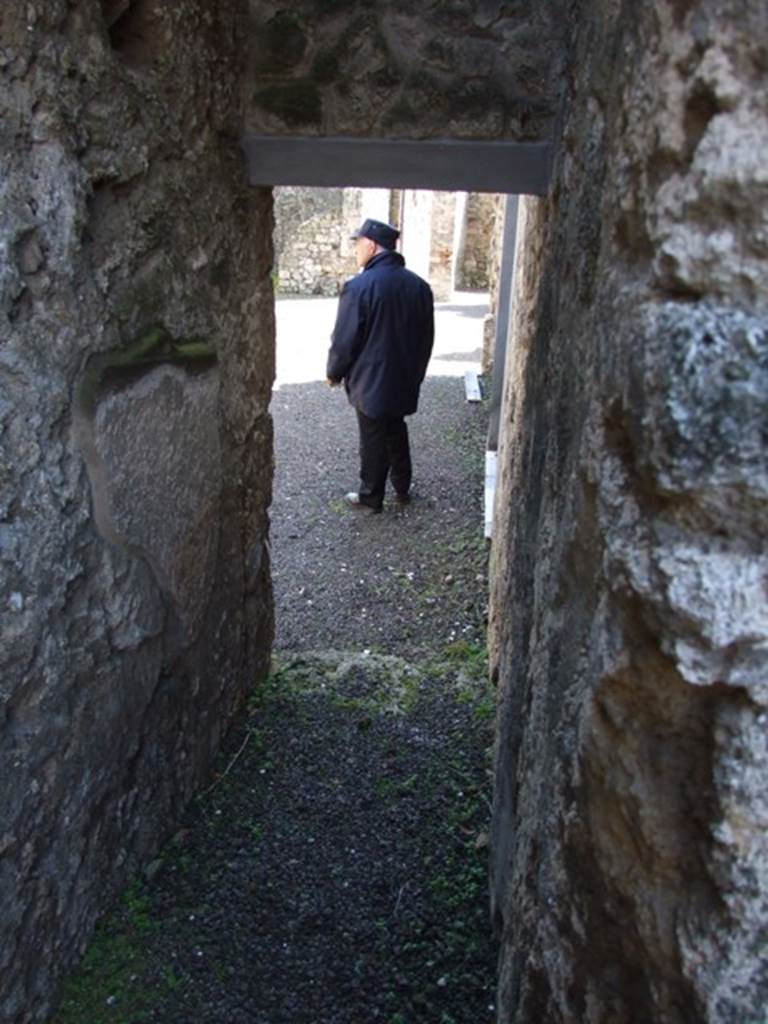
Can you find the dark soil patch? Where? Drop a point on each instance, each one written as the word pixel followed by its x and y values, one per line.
pixel 336 873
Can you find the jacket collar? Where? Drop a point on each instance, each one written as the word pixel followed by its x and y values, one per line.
pixel 390 256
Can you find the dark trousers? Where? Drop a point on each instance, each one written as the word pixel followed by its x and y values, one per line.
pixel 384 451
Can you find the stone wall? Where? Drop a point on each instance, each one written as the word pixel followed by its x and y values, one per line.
pixel 629 623
pixel 629 616
pixel 459 69
pixel 136 367
pixel 442 254
pixel 313 254
pixel 474 256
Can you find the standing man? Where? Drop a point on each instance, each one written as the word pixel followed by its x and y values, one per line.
pixel 380 348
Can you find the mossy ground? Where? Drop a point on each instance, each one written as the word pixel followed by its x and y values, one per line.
pixel 396 746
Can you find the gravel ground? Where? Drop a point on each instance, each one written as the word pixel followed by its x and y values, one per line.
pixel 405 579
pixel 335 870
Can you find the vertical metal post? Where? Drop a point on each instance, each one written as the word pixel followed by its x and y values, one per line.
pixel 503 314
pixel 503 317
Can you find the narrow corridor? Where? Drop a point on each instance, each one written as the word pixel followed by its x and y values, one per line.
pixel 335 870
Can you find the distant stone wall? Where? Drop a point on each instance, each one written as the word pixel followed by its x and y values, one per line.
pixel 473 261
pixel 629 612
pixel 314 255
pixel 136 369
pixel 442 256
pixel 459 69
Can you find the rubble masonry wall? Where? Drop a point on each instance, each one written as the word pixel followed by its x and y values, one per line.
pixel 629 616
pixel 136 366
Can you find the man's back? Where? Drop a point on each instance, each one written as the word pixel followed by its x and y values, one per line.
pixel 383 337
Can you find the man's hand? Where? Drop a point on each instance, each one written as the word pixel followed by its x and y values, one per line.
pixel 331 382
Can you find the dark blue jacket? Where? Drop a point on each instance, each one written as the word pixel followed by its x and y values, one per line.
pixel 383 337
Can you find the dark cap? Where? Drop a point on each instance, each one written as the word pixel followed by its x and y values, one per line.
pixel 379 232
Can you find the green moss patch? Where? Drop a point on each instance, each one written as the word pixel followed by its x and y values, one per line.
pixel 119 980
pixel 151 348
pixel 341 844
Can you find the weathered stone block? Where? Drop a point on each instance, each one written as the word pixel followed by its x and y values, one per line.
pixel 281 43
pixel 699 381
pixel 294 103
pixel 134 479
pixel 163 501
pixel 445 70
pixel 629 611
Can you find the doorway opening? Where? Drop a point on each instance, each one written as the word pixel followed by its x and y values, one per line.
pixel 336 869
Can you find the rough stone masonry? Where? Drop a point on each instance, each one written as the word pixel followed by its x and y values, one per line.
pixel 630 867
pixel 136 359
pixel 630 612
pixel 457 69
pixel 135 372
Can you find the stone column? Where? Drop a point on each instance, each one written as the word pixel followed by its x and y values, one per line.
pixel 374 202
pixel 442 251
pixel 416 231
pixel 459 235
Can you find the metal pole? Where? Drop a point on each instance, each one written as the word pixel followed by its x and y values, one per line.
pixel 503 316
pixel 504 312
